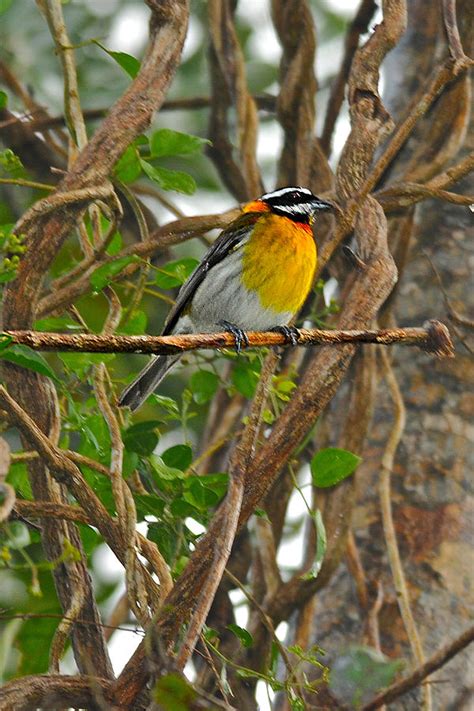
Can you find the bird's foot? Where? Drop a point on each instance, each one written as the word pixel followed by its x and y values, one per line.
pixel 291 333
pixel 239 334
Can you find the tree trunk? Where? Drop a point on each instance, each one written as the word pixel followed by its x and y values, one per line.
pixel 431 496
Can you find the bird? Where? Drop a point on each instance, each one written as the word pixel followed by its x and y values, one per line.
pixel 255 277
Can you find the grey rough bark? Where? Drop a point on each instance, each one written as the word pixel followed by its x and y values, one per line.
pixel 431 495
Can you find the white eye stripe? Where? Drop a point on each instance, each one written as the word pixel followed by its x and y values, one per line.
pixel 284 191
pixel 302 208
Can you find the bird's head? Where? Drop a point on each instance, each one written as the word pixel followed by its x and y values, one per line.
pixel 298 204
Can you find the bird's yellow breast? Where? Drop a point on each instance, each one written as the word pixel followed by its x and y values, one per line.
pixel 279 261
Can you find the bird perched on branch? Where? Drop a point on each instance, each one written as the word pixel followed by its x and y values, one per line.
pixel 255 277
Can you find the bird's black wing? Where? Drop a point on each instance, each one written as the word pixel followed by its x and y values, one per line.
pixel 229 239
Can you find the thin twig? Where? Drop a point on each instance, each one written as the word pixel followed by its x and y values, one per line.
pixel 64 628
pixel 436 661
pixel 267 621
pixel 68 512
pixel 72 106
pixel 406 194
pixel 73 112
pixel 453 314
pixel 174 232
pixel 451 28
pixel 398 574
pixel 357 571
pixel 418 109
pixel 265 102
pixel 358 26
pixel 26 183
pixel 127 515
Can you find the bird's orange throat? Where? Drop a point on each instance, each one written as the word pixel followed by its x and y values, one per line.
pixel 279 262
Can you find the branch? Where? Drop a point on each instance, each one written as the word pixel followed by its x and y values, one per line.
pixel 439 659
pixel 398 574
pixel 77 282
pixel 264 102
pixel 406 194
pixel 452 32
pixel 223 528
pixel 358 26
pixel 69 512
pixel 51 690
pixel 434 338
pixel 73 112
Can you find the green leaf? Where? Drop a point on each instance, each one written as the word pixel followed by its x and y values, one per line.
pixel 218 483
pixel 332 465
pixel 115 244
pixel 4 5
pixel 27 358
pixel 361 672
pixel 142 437
pixel 170 179
pixel 179 457
pixel 81 363
pixel 245 378
pixel 268 416
pixel 11 163
pixel 5 340
pixel 321 545
pixel 198 494
pixel 128 167
pixel 210 634
pixel 130 463
pixel 136 324
pixel 95 437
pixel 175 273
pixel 162 471
pixel 7 275
pixel 18 535
pixel 3 95
pixel 129 64
pixel 195 495
pixel 18 477
pixel 149 505
pixel 203 385
pixel 165 538
pixel 57 323
pixel 182 508
pixel 166 142
pixel 173 693
pixel 167 403
pixel 104 274
pixel 35 636
pixel 242 634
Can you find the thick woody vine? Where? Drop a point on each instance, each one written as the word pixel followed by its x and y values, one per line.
pixel 29 401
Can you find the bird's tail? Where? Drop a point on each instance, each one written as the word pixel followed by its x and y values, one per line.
pixel 147 381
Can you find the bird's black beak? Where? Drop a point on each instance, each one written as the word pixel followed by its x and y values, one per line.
pixel 319 204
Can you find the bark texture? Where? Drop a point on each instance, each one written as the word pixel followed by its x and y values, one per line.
pixel 431 491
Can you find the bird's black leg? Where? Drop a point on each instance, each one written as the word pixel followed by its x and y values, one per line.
pixel 291 333
pixel 239 334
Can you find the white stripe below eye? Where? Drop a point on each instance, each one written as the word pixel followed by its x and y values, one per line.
pixel 304 208
pixel 285 191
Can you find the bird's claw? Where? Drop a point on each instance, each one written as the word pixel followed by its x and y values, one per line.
pixel 291 333
pixel 239 334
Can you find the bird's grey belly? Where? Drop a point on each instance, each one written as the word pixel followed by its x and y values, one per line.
pixel 222 297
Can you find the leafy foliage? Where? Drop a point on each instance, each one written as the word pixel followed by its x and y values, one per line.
pixel 359 673
pixel 332 465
